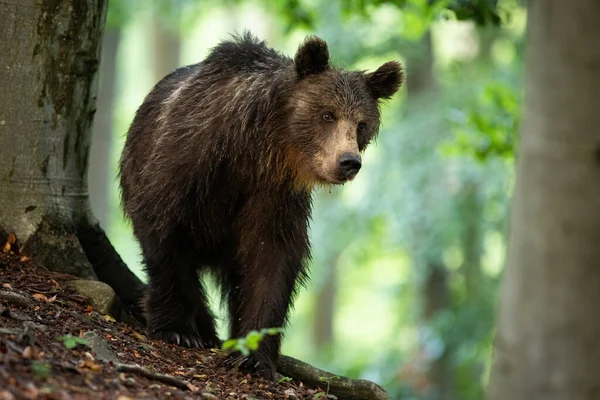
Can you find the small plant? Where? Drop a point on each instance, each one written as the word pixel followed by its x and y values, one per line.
pixel 327 380
pixel 71 341
pixel 41 369
pixel 251 342
pixel 284 379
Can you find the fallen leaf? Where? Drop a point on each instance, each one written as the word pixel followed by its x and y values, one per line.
pixel 28 353
pixel 138 336
pixel 11 239
pixel 88 309
pixel 109 318
pixel 51 299
pixel 6 395
pixel 24 258
pixel 7 285
pixel 40 296
pixel 36 308
pixel 192 388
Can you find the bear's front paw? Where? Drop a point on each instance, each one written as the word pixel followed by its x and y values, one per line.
pixel 186 339
pixel 254 364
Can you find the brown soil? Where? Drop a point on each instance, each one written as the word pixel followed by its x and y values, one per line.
pixel 37 309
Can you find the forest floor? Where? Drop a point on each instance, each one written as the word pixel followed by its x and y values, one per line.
pixel 54 345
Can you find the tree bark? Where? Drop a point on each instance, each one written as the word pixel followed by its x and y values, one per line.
pixel 547 340
pixel 100 173
pixel 49 69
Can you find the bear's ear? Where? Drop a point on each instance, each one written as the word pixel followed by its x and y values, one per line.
pixel 386 81
pixel 312 57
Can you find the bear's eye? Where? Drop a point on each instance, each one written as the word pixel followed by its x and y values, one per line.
pixel 361 126
pixel 328 117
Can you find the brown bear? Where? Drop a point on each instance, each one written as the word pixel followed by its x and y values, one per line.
pixel 217 173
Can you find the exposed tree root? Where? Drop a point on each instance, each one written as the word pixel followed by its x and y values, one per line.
pixel 16 299
pixel 342 387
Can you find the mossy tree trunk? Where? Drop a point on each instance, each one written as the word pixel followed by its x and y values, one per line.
pixel 49 69
pixel 547 343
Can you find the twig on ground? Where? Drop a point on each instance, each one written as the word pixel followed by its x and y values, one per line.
pixel 168 379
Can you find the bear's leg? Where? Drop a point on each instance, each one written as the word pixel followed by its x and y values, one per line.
pixel 176 303
pixel 261 292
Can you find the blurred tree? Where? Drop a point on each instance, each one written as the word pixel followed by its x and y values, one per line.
pixel 45 128
pixel 427 236
pixel 548 327
pixel 99 172
pixel 165 38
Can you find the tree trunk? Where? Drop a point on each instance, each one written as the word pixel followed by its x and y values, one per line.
pixel 100 175
pixel 324 308
pixel 437 299
pixel 166 43
pixel 49 68
pixel 471 214
pixel 547 340
pixel 427 244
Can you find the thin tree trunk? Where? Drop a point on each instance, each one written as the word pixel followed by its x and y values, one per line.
pixel 166 43
pixel 324 307
pixel 426 250
pixel 437 299
pixel 547 343
pixel 49 69
pixel 100 173
pixel 471 216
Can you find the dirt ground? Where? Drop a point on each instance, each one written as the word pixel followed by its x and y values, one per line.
pixel 53 345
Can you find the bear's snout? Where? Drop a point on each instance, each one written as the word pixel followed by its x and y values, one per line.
pixel 349 164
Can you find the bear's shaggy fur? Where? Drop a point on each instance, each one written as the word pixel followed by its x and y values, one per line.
pixel 217 173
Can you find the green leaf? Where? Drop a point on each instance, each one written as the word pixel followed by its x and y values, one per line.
pixel 253 339
pixel 229 344
pixel 71 341
pixel 41 369
pixel 284 379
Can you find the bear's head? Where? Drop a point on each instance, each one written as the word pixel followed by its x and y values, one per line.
pixel 334 113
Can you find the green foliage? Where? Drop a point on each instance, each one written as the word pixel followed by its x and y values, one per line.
pixel 71 341
pixel 489 126
pixel 284 379
pixel 250 343
pixel 41 369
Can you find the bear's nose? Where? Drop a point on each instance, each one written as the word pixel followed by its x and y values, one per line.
pixel 350 163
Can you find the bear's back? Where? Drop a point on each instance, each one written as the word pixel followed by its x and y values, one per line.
pixel 246 54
